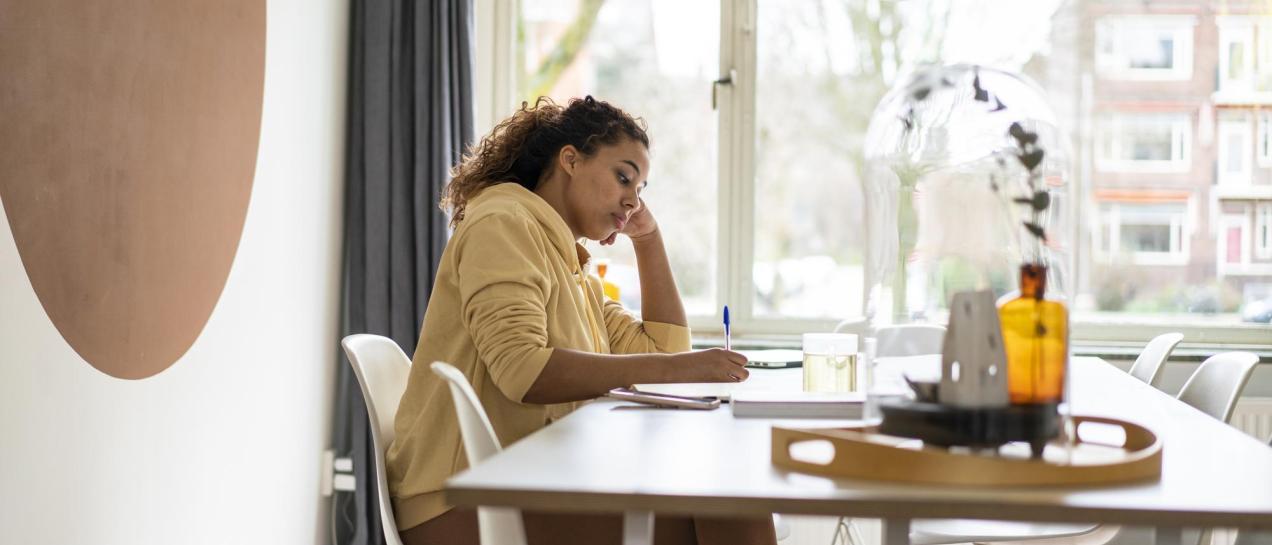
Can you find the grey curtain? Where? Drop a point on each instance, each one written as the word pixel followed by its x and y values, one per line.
pixel 410 116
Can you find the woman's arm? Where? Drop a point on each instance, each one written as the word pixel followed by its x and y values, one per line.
pixel 572 375
pixel 659 298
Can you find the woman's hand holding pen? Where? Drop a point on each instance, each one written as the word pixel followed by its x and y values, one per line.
pixel 710 365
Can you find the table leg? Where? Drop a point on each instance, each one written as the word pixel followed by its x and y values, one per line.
pixel 1168 535
pixel 638 528
pixel 896 531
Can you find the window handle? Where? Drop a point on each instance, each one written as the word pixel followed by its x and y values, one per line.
pixel 715 86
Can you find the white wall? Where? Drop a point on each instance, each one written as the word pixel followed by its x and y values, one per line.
pixel 224 446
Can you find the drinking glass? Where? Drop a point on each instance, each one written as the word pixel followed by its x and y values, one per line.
pixel 830 363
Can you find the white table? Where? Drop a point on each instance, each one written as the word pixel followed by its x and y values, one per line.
pixel 613 457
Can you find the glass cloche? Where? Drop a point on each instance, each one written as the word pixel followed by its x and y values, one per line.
pixel 943 170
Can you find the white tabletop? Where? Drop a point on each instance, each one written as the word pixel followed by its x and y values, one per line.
pixel 612 456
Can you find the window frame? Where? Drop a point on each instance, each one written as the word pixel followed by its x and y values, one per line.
pixel 1229 124
pixel 1115 65
pixel 1263 139
pixel 1111 131
pixel 1107 249
pixel 495 87
pixel 1236 29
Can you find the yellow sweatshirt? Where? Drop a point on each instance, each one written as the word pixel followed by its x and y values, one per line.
pixel 513 284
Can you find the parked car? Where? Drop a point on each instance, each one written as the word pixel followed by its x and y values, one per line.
pixel 1258 311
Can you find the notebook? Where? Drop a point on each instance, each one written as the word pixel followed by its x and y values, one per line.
pixel 769 404
pixel 773 359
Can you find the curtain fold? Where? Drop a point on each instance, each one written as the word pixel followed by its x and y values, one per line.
pixel 410 114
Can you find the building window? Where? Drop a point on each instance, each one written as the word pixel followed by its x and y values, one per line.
pixel 1245 59
pixel 1234 151
pixel 1236 55
pixel 1145 47
pixel 1144 143
pixel 1263 230
pixel 1143 233
pixel 757 181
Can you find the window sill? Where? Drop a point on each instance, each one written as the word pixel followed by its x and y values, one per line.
pixel 1108 350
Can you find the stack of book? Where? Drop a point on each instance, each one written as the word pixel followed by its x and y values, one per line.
pixel 762 404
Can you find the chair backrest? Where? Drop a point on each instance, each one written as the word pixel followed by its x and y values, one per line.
pixel 859 325
pixel 480 441
pixel 909 340
pixel 1253 537
pixel 498 525
pixel 1150 363
pixel 1215 386
pixel 382 369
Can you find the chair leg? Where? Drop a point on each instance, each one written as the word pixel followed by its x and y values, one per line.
pixel 896 531
pixel 1168 535
pixel 638 528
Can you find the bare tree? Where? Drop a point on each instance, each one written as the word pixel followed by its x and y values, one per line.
pixel 545 76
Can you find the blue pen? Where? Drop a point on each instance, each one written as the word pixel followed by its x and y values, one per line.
pixel 727 344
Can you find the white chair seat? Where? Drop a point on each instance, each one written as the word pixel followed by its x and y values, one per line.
pixel 944 531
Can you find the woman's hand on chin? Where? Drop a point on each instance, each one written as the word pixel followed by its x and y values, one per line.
pixel 642 224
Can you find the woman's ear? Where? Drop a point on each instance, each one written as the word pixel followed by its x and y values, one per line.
pixel 567 157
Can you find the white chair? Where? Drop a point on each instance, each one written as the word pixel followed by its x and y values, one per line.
pixel 498 525
pixel 382 369
pixel 1214 389
pixel 909 340
pixel 1253 537
pixel 1215 386
pixel 480 442
pixel 1151 361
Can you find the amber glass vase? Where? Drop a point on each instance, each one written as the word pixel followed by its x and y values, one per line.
pixel 1036 338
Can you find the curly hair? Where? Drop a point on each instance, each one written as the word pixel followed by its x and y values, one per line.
pixel 522 148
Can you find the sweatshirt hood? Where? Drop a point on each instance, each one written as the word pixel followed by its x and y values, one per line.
pixel 499 197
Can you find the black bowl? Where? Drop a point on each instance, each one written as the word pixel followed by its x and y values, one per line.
pixel 946 426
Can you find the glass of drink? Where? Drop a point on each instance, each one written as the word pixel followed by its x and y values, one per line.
pixel 830 363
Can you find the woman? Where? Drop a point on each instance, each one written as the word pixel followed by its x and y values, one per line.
pixel 515 308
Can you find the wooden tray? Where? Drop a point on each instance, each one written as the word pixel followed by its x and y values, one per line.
pixel 860 453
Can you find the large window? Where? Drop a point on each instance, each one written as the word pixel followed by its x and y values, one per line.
pixel 758 112
pixel 1144 142
pixel 805 227
pixel 651 59
pixel 1145 48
